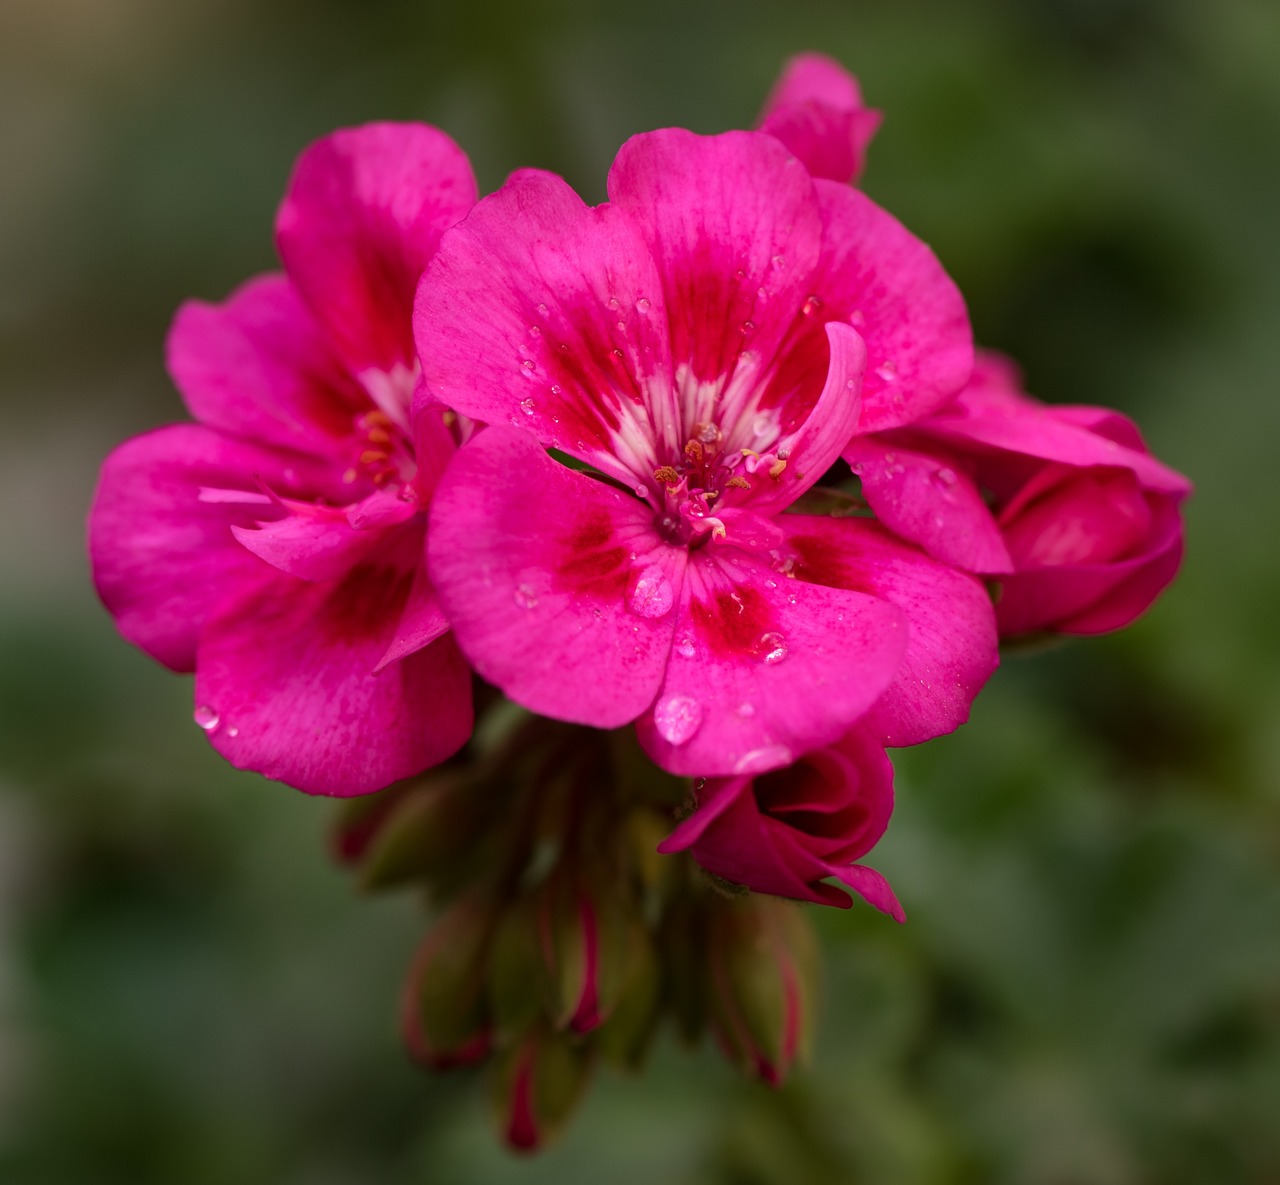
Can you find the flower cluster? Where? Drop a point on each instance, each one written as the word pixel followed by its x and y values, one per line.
pixel 711 465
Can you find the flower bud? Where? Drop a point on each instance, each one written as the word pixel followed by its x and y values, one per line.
pixel 359 820
pixel 517 976
pixel 762 964
pixel 444 1012
pixel 624 1038
pixel 536 1085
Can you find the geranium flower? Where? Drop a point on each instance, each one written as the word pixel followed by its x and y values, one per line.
pixel 816 110
pixel 785 832
pixel 699 342
pixel 276 546
pixel 1083 527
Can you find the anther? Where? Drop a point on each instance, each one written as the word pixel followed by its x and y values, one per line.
pixel 666 475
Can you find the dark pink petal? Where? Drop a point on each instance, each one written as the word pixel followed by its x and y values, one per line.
pixel 764 667
pixel 1032 430
pixel 813 446
pixel 285 681
pixel 1094 597
pixel 421 623
pixel 557 586
pixel 929 500
pixel 257 366
pixel 951 640
pixel 362 215
pixel 816 110
pixel 872 888
pixel 734 226
pixel 160 527
pixel 310 542
pixel 878 277
pixel 543 313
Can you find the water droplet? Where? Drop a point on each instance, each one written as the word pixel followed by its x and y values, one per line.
pixel 778 260
pixel 771 584
pixel 534 331
pixel 556 389
pixel 762 294
pixel 792 599
pixel 651 593
pixel 759 761
pixel 811 306
pixel 888 371
pixel 542 309
pixel 746 711
pixel 677 718
pixel 740 274
pixel 613 302
pixel 856 318
pixel 528 364
pixel 526 596
pixel 526 406
pixel 685 647
pixel 206 717
pixel 622 327
pixel 748 327
pixel 762 424
pixel 233 731
pixel 770 648
pixel 944 477
pixel 643 304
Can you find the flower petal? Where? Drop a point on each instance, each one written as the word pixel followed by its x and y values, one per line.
pixel 160 527
pixel 362 215
pixel 951 642
pixel 257 366
pixel 878 277
pixel 816 110
pixel 558 588
pixel 764 668
pixel 543 313
pixel 931 501
pixel 286 671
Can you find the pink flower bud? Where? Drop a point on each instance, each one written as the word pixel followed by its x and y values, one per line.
pixel 536 1086
pixel 785 832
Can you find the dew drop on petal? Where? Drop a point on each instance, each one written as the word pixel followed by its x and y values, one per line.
pixel 759 761
pixel 643 304
pixel 685 647
pixel 677 718
pixel 555 389
pixel 206 717
pixel 526 406
pixel 746 711
pixel 528 364
pixel 888 371
pixel 651 593
pixel 542 309
pixel 233 731
pixel 811 306
pixel 944 479
pixel 856 318
pixel 526 596
pixel 770 648
pixel 748 327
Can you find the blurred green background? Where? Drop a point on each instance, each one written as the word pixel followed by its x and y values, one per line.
pixel 1088 989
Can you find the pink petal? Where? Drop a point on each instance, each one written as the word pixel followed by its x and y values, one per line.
pixel 311 542
pixel 816 110
pixel 160 528
pixel 257 366
pixel 362 215
pixel 733 223
pixel 764 668
pixel 557 587
pixel 931 501
pixel 872 888
pixel 1094 598
pixel 286 672
pixel 421 623
pixel 951 641
pixel 884 281
pixel 543 313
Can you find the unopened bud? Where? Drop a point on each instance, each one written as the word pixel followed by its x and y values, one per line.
pixel 763 959
pixel 536 1085
pixel 517 973
pixel 359 821
pixel 624 1038
pixel 444 1012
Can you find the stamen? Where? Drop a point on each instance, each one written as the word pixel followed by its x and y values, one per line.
pixel 738 482
pixel 666 475
pixel 775 470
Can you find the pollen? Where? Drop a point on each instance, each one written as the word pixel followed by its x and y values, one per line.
pixel 776 469
pixel 737 482
pixel 666 475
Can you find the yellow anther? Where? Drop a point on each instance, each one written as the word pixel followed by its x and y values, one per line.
pixel 738 482
pixel 775 470
pixel 666 475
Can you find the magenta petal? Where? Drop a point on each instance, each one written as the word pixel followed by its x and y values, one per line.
pixel 930 501
pixel 543 313
pixel 257 366
pixel 816 110
pixel 733 224
pixel 363 213
pixel 160 530
pixel 421 623
pixel 872 887
pixel 557 587
pixel 714 799
pixel 951 642
pixel 286 671
pixel 764 668
pixel 310 542
pixel 878 277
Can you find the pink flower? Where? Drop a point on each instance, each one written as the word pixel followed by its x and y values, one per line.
pixel 816 110
pixel 785 832
pixel 276 546
pixel 1084 528
pixel 693 341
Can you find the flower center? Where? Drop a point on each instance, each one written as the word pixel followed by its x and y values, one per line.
pixel 383 453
